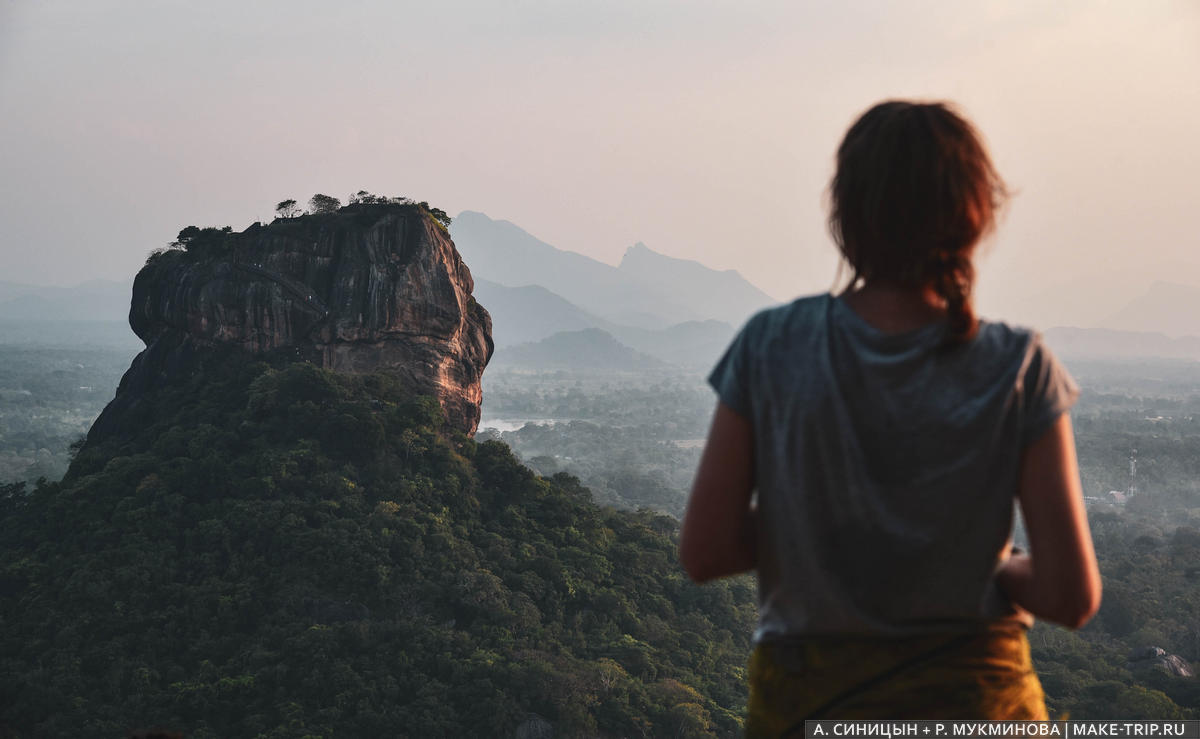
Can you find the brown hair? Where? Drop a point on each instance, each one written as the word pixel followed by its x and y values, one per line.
pixel 914 191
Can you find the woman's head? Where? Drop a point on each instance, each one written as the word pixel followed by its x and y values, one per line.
pixel 914 192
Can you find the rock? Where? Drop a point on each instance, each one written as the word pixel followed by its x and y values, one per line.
pixel 1156 658
pixel 1140 653
pixel 371 287
pixel 534 727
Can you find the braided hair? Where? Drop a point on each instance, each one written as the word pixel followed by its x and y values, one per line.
pixel 914 192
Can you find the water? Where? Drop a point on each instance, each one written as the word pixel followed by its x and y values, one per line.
pixel 515 424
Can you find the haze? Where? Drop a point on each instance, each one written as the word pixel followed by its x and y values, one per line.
pixel 704 129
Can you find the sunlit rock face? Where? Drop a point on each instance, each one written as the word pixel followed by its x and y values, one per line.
pixel 369 288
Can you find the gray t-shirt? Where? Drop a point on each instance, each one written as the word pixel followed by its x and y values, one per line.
pixel 886 465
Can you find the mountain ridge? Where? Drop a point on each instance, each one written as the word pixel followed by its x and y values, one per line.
pixel 91 300
pixel 693 283
pixel 588 349
pixel 1172 308
pixel 504 253
pixel 1107 343
pixel 530 314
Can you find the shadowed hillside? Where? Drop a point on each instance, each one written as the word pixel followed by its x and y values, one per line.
pixel 288 551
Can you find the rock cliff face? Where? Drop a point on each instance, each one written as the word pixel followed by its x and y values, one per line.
pixel 368 288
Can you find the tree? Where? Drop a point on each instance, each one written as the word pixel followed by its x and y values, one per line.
pixel 287 209
pixel 319 204
pixel 193 237
pixel 185 237
pixel 438 214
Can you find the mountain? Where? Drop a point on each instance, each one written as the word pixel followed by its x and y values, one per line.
pixel 501 252
pixel 79 333
pixel 1103 343
pixel 724 296
pixel 1166 307
pixel 94 300
pixel 692 344
pixel 649 291
pixel 587 349
pixel 264 539
pixel 523 315
pixel 531 313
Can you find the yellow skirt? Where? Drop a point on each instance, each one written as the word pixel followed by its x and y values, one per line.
pixel 981 675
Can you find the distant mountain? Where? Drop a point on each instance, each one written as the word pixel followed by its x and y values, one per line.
pixel 76 334
pixel 522 315
pixel 724 296
pixel 692 344
pixel 531 313
pixel 10 290
pixel 651 291
pixel 589 349
pixel 1103 343
pixel 1167 307
pixel 501 252
pixel 100 300
pixel 94 313
pixel 94 300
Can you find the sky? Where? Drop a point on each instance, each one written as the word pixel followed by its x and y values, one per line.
pixel 704 129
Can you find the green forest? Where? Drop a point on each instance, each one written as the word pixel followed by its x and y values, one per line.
pixel 279 551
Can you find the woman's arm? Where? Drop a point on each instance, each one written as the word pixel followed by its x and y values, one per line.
pixel 717 537
pixel 1059 579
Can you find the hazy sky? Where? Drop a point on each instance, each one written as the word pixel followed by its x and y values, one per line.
pixel 705 129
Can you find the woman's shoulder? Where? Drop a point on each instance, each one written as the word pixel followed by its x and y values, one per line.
pixel 1043 383
pixel 804 310
pixel 1006 339
pixel 1020 351
pixel 784 327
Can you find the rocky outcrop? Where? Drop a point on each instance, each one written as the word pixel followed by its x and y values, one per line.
pixel 371 287
pixel 1156 658
pixel 534 727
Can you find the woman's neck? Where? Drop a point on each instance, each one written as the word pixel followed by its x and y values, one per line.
pixel 894 308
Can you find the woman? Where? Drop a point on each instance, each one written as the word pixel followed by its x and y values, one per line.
pixel 867 449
